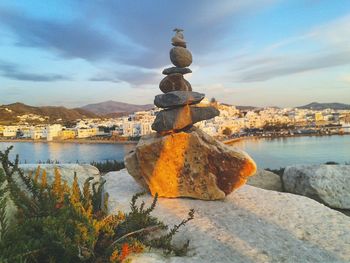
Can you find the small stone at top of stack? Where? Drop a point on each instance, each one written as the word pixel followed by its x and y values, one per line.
pixel 178 101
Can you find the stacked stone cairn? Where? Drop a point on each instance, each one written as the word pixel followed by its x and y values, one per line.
pixel 180 160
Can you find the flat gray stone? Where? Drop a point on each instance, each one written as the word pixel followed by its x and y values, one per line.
pixel 180 57
pixel 177 98
pixel 329 184
pixel 174 82
pixel 266 180
pixel 172 70
pixel 172 120
pixel 251 225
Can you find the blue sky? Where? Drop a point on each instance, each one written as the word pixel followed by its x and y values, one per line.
pixel 263 53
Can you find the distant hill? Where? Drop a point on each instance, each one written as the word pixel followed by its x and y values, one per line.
pixel 9 113
pixel 108 107
pixel 322 106
pixel 247 108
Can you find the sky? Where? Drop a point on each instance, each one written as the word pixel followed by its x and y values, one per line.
pixel 245 52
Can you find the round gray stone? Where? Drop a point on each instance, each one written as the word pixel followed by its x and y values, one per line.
pixel 180 57
pixel 174 82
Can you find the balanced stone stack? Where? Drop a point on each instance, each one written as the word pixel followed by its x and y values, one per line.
pixel 180 160
pixel 178 98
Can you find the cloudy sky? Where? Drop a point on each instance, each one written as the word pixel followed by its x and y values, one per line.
pixel 245 52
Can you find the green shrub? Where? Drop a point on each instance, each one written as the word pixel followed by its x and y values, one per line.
pixel 60 223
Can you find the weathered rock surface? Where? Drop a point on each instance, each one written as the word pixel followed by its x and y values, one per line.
pixel 172 70
pixel 83 172
pixel 174 82
pixel 189 164
pixel 250 225
pixel 179 118
pixel 180 57
pixel 266 180
pixel 177 98
pixel 329 184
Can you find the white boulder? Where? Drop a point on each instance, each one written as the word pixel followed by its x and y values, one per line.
pixel 329 184
pixel 249 225
pixel 83 172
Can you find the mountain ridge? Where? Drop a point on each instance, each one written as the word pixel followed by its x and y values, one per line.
pixel 322 106
pixel 9 113
pixel 113 107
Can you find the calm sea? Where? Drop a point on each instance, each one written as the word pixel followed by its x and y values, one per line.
pixel 268 153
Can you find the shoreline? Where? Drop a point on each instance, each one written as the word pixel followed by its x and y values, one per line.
pixel 76 141
pixel 227 141
pixel 233 140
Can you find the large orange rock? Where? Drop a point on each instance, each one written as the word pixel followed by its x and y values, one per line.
pixel 188 164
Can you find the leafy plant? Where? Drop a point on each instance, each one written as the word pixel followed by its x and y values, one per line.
pixel 55 222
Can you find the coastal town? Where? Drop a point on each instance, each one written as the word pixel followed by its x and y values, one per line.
pixel 233 122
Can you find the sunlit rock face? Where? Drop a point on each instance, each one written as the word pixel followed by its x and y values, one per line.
pixel 180 160
pixel 188 164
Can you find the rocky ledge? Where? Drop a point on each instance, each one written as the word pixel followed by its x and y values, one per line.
pixel 251 225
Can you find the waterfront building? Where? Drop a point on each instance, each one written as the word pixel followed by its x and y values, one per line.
pixel 87 132
pixel 52 131
pixel 67 134
pixel 25 132
pixel 145 128
pixel 38 132
pixel 10 131
pixel 346 127
pixel 128 128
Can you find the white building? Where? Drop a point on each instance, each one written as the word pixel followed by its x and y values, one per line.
pixel 145 128
pixel 52 131
pixel 87 132
pixel 131 128
pixel 38 132
pixel 25 132
pixel 10 131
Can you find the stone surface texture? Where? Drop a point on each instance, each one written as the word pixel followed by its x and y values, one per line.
pixel 329 184
pixel 172 70
pixel 250 225
pixel 266 180
pixel 180 57
pixel 174 82
pixel 83 172
pixel 180 118
pixel 189 164
pixel 177 98
pixel 176 41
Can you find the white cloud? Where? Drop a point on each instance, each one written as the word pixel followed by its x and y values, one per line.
pixel 324 46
